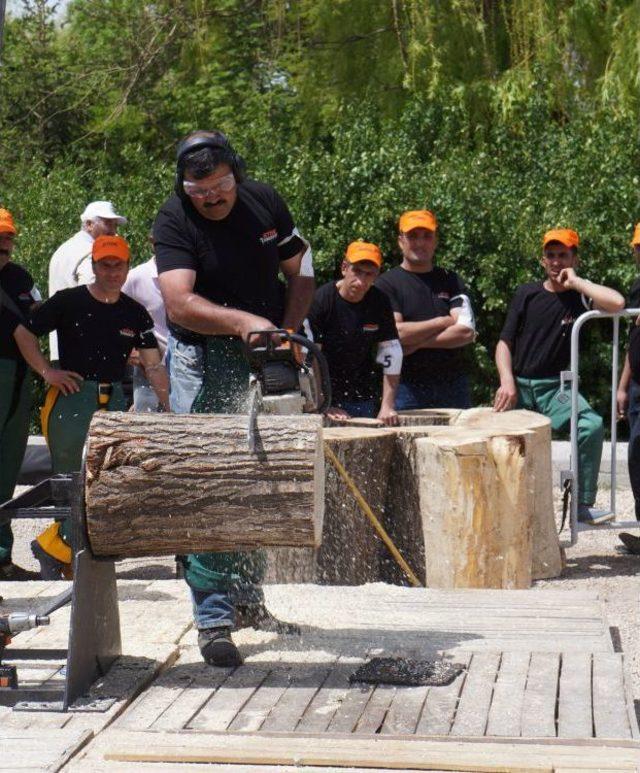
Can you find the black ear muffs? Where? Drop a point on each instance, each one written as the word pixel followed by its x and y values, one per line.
pixel 216 141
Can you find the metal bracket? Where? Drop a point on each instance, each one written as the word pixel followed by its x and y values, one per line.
pixel 566 475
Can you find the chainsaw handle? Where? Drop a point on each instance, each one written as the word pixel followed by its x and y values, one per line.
pixel 323 366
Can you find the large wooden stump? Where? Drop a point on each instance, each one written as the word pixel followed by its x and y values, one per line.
pixel 164 484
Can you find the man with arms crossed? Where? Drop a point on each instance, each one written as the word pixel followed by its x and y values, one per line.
pixel 434 318
pixel 221 241
pixel 535 345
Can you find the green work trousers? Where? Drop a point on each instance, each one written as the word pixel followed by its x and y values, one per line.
pixel 543 395
pixel 68 425
pixel 221 378
pixel 15 408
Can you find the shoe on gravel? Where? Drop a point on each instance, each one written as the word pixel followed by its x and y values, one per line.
pixel 631 542
pixel 258 616
pixel 10 572
pixel 217 648
pixel 593 516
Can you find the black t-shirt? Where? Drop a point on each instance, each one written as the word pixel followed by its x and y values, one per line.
pixel 420 297
pixel 18 294
pixel 634 335
pixel 236 259
pixel 349 333
pixel 538 329
pixel 95 339
pixel 8 323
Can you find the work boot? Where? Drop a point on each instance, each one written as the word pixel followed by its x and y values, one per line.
pixel 50 567
pixel 258 616
pixel 593 516
pixel 217 647
pixel 10 572
pixel 631 542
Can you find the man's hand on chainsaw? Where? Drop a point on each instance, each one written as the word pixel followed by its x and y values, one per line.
pixel 251 323
pixel 337 414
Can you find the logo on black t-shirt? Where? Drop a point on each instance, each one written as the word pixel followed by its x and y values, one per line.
pixel 370 327
pixel 444 295
pixel 269 236
pixel 568 319
pixel 128 332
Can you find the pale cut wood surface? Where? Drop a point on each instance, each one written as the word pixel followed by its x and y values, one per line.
pixel 165 484
pixel 378 752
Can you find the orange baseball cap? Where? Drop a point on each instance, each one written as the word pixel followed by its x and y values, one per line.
pixel 7 226
pixel 635 242
pixel 359 251
pixel 110 247
pixel 417 218
pixel 563 235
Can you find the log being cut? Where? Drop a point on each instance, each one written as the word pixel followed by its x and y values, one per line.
pixel 161 484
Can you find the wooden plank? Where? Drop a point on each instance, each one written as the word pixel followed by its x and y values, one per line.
pixel 505 714
pixel 40 749
pixel 257 708
pixel 319 713
pixel 472 713
pixel 375 711
pixel 610 716
pixel 219 711
pixel 575 718
pixel 404 712
pixel 357 751
pixel 351 707
pixel 540 696
pixel 303 685
pixel 441 703
pixel 204 681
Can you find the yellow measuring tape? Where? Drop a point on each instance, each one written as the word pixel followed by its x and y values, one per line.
pixel 364 506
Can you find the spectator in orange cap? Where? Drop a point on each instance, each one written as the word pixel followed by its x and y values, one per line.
pixel 97 326
pixel 535 346
pixel 353 322
pixel 435 321
pixel 628 397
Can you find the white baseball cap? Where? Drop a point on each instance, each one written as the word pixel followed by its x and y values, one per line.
pixel 102 209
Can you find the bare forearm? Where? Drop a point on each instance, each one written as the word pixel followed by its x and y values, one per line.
pixel 300 290
pixel 30 350
pixel 389 389
pixel 414 335
pixel 452 338
pixel 159 379
pixel 196 313
pixel 504 363
pixel 604 298
pixel 625 376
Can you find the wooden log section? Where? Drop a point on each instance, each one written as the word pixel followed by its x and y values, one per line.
pixel 164 484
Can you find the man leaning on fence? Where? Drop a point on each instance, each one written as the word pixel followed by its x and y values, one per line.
pixel 535 346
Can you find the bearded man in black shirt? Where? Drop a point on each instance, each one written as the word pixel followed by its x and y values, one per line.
pixel 221 241
pixel 433 314
pixel 535 345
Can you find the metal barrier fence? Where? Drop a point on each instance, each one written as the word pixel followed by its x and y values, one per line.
pixel 572 377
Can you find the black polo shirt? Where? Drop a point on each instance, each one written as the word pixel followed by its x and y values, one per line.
pixel 236 259
pixel 538 329
pixel 420 297
pixel 349 334
pixel 95 338
pixel 9 321
pixel 19 293
pixel 634 335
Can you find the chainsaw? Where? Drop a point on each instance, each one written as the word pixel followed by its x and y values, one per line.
pixel 289 375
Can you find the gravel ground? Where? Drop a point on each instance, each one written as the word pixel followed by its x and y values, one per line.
pixel 596 564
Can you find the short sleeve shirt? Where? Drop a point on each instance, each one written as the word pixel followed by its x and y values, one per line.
pixel 538 329
pixel 9 321
pixel 420 297
pixel 19 294
pixel 95 338
pixel 236 259
pixel 349 334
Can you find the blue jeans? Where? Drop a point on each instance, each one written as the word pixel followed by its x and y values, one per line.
pixel 633 450
pixel 145 400
pixel 217 581
pixel 357 409
pixel 437 392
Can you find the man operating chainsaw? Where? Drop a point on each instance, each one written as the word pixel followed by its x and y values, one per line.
pixel 221 242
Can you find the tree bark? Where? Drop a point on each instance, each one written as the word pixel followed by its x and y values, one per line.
pixel 164 484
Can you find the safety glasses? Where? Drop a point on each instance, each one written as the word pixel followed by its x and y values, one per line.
pixel 222 185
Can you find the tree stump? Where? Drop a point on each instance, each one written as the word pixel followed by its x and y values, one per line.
pixel 165 484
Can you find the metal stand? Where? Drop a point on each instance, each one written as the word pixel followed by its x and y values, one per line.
pixel 94 631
